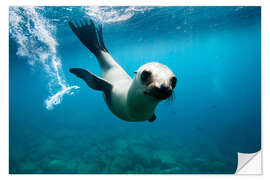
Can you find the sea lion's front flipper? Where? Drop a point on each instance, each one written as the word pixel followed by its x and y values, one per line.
pixel 92 80
pixel 153 118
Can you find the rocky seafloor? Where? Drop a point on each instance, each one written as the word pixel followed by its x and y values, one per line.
pixel 79 150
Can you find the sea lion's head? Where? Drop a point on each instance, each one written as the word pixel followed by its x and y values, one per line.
pixel 156 80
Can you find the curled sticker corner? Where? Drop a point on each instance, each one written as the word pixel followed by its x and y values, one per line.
pixel 249 163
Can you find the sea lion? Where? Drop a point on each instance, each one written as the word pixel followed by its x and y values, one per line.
pixel 129 99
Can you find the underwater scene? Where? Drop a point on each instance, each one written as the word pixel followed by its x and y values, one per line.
pixel 58 125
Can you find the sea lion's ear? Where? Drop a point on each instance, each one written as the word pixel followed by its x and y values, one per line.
pixel 135 72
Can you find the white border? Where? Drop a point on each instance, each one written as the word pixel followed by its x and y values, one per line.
pixel 138 2
pixel 4 78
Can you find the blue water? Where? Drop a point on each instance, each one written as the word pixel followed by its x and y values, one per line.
pixel 215 52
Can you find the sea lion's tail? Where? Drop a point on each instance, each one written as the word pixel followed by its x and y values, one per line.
pixel 90 36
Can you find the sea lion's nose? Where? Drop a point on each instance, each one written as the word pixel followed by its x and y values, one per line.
pixel 165 89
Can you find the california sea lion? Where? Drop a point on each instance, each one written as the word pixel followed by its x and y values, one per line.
pixel 129 99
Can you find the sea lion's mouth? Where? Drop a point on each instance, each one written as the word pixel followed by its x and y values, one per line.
pixel 157 94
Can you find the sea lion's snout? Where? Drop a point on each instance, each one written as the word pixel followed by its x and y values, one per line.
pixel 165 90
pixel 162 92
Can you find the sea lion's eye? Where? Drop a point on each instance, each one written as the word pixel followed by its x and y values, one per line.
pixel 173 82
pixel 145 76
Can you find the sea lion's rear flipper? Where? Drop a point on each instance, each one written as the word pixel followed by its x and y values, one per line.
pixel 153 118
pixel 92 80
pixel 90 36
